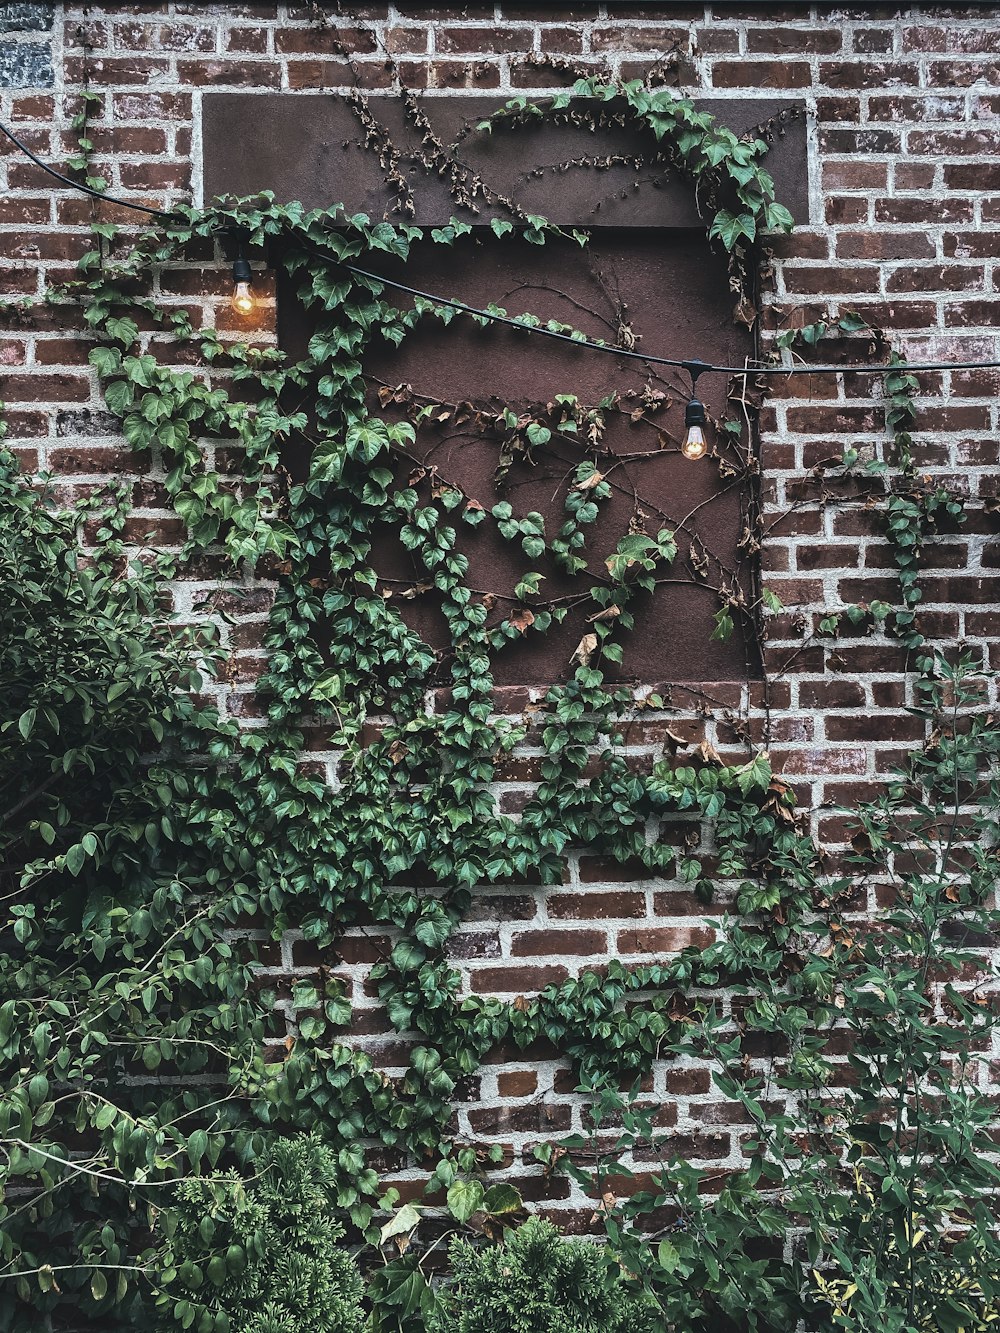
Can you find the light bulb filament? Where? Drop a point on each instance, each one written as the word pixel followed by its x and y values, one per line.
pixel 694 445
pixel 242 299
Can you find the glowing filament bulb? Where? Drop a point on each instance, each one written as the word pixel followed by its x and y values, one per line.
pixel 242 299
pixel 694 445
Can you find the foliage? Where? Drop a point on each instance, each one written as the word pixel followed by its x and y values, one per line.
pixel 538 1282
pixel 136 1049
pixel 885 1162
pixel 113 966
pixel 261 1255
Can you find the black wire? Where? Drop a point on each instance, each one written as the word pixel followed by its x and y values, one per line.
pixel 78 185
pixel 693 366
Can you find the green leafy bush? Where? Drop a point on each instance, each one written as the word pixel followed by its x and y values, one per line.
pixel 882 1162
pixel 261 1255
pixel 537 1282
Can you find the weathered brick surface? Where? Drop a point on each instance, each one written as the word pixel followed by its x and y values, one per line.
pixel 904 226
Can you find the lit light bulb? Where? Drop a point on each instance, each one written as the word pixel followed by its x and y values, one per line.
pixel 242 299
pixel 694 446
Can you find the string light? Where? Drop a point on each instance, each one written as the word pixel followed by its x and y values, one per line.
pixel 694 446
pixel 242 298
pixel 619 352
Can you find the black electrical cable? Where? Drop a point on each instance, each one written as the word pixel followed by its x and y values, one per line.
pixel 78 185
pixel 693 366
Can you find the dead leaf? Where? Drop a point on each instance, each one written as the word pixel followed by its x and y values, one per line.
pixel 607 1206
pixel 522 1004
pixel 522 619
pixel 585 649
pixel 550 1165
pixel 709 753
pixel 590 482
pixel 609 613
pixel 408 594
pixel 397 752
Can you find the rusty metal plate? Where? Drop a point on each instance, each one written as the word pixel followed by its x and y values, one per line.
pixel 311 147
pixel 674 294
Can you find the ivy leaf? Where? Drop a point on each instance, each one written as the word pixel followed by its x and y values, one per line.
pixel 729 227
pixel 464 1198
pixel 124 331
pixel 402 1223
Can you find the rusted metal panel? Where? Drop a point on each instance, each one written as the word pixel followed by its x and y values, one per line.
pixel 648 274
pixel 674 295
pixel 312 148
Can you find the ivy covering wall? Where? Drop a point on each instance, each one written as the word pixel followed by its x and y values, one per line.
pixel 143 1065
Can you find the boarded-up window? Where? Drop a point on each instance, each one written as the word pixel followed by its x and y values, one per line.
pixel 647 281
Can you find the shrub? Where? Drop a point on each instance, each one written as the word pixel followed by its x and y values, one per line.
pixel 537 1282
pixel 261 1255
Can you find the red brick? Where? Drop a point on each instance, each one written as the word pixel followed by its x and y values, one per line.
pixel 517 979
pixel 587 906
pixel 664 939
pixel 517 1083
pixel 541 943
pixel 811 40
pixel 44 388
pixel 656 37
pixel 760 74
pixel 487 39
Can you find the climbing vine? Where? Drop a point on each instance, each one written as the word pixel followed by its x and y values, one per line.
pixel 137 1047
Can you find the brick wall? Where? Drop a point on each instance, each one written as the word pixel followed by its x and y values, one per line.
pixel 904 169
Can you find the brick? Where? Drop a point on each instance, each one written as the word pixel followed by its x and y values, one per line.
pixel 588 906
pixel 961 73
pixel 26 65
pixel 535 1119
pixel 664 939
pixel 880 727
pixel 537 943
pixel 48 388
pixel 849 142
pixel 866 73
pixel 977 176
pixel 813 40
pixel 884 245
pixel 516 979
pixel 834 279
pixel 487 39
pixel 760 73
pixel 517 1083
pixel 656 37
pixel 935 277
pixel 855 175
pixel 467 944
pixel 228 74
pixel 336 74
pixel 332 41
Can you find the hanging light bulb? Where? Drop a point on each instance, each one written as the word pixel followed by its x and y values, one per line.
pixel 694 446
pixel 242 298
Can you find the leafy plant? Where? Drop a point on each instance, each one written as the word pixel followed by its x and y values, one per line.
pixel 261 1254
pixel 538 1282
pixel 881 1163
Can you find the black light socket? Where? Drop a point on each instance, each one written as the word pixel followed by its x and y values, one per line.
pixel 694 414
